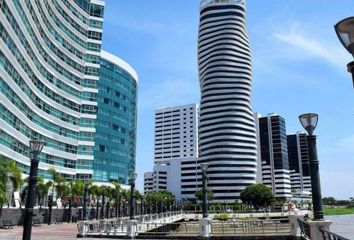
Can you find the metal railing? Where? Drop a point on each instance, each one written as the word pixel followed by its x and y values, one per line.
pixel 218 228
pixel 171 229
pixel 327 235
pixel 304 229
pixel 250 227
pixel 119 226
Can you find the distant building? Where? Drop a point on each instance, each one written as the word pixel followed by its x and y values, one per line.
pixel 273 153
pixel 179 176
pixel 176 142
pixel 299 165
pixel 176 132
pixel 148 182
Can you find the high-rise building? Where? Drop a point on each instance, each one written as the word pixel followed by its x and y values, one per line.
pixel 274 155
pixel 115 137
pixel 227 135
pixel 148 182
pixel 176 143
pixel 176 132
pixel 299 165
pixel 49 70
pixel 50 61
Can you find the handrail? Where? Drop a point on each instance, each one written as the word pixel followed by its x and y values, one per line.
pixel 328 235
pixel 304 229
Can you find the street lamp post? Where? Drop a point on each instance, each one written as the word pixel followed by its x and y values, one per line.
pixel 204 167
pixel 50 207
pixel 85 218
pixel 142 205
pixel 309 122
pixel 132 195
pixel 345 33
pixel 36 147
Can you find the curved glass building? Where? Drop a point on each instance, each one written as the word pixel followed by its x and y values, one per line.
pixel 49 72
pixel 227 135
pixel 115 138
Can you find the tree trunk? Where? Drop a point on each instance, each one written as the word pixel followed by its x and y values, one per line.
pixel 96 209
pixel 69 213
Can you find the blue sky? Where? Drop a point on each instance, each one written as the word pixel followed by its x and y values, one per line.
pixel 299 66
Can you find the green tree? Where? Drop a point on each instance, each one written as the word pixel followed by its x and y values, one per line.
pixel 42 190
pixel 58 184
pixel 95 191
pixel 199 194
pixel 116 196
pixel 10 177
pixel 258 195
pixel 329 201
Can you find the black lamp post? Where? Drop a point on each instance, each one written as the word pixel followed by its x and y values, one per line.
pixel 142 205
pixel 85 218
pixel 309 122
pixel 36 147
pixel 345 33
pixel 132 195
pixel 50 207
pixel 204 167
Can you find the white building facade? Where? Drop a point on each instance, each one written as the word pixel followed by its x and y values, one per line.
pixel 227 134
pixel 176 132
pixel 176 143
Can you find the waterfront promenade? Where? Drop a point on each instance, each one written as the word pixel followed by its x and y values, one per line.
pixel 45 232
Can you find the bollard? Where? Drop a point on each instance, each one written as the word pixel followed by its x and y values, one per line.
pixel 83 229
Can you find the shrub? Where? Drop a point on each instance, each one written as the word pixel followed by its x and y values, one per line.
pixel 223 216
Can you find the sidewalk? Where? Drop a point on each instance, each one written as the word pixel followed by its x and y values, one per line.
pixel 45 232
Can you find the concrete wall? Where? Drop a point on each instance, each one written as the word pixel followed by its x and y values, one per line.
pixel 16 215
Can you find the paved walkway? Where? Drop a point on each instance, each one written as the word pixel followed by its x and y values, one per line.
pixel 46 232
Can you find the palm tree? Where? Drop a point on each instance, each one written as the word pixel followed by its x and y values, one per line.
pixel 41 190
pixel 58 183
pixel 116 194
pixel 10 175
pixel 109 195
pixel 95 190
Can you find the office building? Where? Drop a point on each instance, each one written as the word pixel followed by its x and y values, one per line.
pixel 274 155
pixel 299 165
pixel 176 132
pixel 115 137
pixel 227 134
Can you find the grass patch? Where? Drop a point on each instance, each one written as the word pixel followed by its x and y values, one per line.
pixel 338 211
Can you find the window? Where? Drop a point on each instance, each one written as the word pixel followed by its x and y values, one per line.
pixel 102 148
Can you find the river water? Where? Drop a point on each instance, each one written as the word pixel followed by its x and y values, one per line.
pixel 342 225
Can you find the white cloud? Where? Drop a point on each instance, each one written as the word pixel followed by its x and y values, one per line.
pixel 169 93
pixel 304 42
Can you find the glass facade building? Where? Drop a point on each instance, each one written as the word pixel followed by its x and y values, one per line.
pixel 49 69
pixel 50 61
pixel 273 153
pixel 115 138
pixel 299 165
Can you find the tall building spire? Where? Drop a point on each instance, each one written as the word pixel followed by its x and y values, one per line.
pixel 227 135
